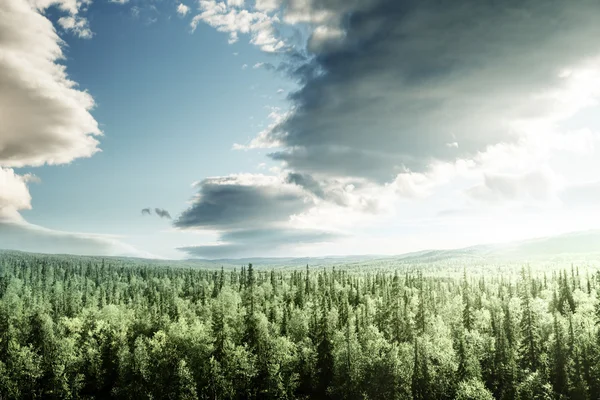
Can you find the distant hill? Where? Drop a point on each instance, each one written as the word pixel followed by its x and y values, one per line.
pixel 570 246
pixel 296 261
pixel 579 244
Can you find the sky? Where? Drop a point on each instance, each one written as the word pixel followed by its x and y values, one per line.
pixel 240 128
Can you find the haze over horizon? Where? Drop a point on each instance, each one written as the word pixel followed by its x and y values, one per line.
pixel 230 129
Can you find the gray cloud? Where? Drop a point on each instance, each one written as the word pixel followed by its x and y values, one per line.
pixel 231 202
pixel 307 182
pixel 254 242
pixel 412 82
pixel 252 215
pixel 162 213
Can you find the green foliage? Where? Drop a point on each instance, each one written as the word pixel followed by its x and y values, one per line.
pixel 89 328
pixel 473 390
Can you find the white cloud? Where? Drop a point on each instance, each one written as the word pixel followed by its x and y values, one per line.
pixel 267 5
pixel 235 21
pixel 45 117
pixel 14 194
pixel 70 6
pixel 244 66
pixel 119 1
pixel 76 24
pixel 182 9
pixel 540 185
pixel 235 3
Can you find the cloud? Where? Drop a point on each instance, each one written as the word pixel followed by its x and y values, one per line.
pixel 307 182
pixel 325 38
pixel 253 242
pixel 538 185
pixel 14 194
pixel 45 118
pixel 76 24
pixel 409 84
pixel 20 235
pixel 235 3
pixel 162 213
pixel 250 213
pixel 239 201
pixel 182 9
pixel 401 100
pixel 267 5
pixel 231 19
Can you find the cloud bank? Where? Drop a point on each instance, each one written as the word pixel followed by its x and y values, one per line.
pixel 251 213
pixel 402 97
pixel 45 119
pixel 412 83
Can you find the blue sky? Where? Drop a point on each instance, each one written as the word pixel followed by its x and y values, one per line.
pixel 392 138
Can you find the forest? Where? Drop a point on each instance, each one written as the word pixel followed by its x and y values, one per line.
pixel 92 328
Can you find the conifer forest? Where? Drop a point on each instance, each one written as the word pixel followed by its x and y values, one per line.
pixel 93 328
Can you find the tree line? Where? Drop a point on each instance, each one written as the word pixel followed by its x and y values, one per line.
pixel 82 328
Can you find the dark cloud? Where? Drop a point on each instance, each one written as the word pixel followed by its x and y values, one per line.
pixel 412 82
pixel 162 213
pixel 252 215
pixel 255 242
pixel 307 182
pixel 240 201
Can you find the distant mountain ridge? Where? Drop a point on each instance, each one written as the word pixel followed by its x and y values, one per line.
pixel 579 244
pixel 568 244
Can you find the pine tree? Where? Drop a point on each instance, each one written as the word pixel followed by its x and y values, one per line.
pixel 421 380
pixel 325 361
pixel 559 374
pixel 529 349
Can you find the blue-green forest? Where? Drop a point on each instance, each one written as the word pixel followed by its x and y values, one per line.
pixel 93 328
